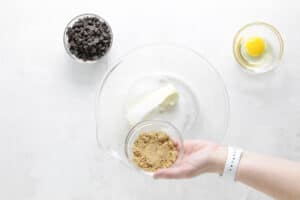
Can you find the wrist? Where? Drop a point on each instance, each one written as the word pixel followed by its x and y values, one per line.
pixel 218 159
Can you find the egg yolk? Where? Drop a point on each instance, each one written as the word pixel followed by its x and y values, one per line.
pixel 255 46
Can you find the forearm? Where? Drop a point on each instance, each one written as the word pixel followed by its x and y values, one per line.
pixel 276 177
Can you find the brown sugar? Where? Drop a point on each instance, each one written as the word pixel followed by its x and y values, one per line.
pixel 154 150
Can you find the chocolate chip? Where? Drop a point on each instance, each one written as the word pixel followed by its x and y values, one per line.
pixel 89 38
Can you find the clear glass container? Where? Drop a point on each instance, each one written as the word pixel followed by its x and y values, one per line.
pixel 202 111
pixel 148 126
pixel 273 48
pixel 66 43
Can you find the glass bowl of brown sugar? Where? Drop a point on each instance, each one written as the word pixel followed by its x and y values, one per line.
pixel 153 145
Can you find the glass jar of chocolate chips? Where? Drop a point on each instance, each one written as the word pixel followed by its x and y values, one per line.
pixel 87 38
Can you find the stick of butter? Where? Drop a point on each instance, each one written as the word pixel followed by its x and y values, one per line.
pixel 160 100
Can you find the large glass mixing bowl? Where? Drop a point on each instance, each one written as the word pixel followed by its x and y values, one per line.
pixel 202 111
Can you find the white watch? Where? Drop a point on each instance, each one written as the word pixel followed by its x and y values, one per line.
pixel 234 156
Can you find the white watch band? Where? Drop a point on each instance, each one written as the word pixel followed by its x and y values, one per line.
pixel 234 156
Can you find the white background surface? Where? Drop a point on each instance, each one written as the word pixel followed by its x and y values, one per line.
pixel 47 127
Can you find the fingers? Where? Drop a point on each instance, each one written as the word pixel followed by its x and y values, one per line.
pixel 170 173
pixel 177 145
pixel 196 142
pixel 190 145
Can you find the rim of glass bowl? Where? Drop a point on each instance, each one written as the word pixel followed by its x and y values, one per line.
pixel 280 40
pixel 119 61
pixel 135 130
pixel 66 43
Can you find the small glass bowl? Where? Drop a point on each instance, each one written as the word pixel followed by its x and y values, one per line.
pixel 274 44
pixel 152 125
pixel 66 43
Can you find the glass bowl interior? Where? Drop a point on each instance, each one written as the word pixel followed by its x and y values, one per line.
pixel 66 43
pixel 150 126
pixel 202 111
pixel 274 48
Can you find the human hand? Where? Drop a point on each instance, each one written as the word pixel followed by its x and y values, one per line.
pixel 199 157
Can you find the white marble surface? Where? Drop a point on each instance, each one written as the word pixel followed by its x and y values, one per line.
pixel 47 127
